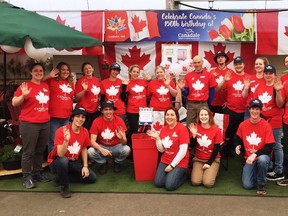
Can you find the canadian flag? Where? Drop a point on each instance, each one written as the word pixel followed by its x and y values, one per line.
pixel 130 25
pixel 272 33
pixel 245 50
pixel 144 54
pixel 88 22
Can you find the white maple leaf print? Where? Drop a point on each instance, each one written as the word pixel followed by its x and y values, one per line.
pixel 42 98
pixel 238 86
pixel 112 91
pixel 253 139
pixel 265 97
pixel 74 149
pixel 95 90
pixel 107 134
pixel 65 88
pixel 198 85
pixel 162 90
pixel 254 88
pixel 204 141
pixel 166 142
pixel 138 88
pixel 220 79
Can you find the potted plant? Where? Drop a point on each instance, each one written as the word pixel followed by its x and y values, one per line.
pixel 9 158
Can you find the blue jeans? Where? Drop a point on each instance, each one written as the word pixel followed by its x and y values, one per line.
pixel 170 180
pixel 70 171
pixel 278 152
pixel 256 172
pixel 120 152
pixel 55 123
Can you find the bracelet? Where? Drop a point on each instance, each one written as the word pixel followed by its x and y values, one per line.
pixel 172 166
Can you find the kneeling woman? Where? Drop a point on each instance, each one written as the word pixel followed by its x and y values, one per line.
pixel 173 143
pixel 207 137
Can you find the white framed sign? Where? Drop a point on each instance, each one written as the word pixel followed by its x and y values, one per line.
pixel 176 52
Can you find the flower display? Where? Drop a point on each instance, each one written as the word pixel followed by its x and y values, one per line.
pixel 234 28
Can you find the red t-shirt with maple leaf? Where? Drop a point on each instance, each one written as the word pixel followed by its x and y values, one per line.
pixel 137 96
pixel 112 91
pixel 219 96
pixel 206 139
pixel 174 137
pixel 234 88
pixel 270 111
pixel 255 136
pixel 90 100
pixel 61 98
pixel 285 96
pixel 254 83
pixel 105 130
pixel 75 145
pixel 161 98
pixel 36 103
pixel 199 84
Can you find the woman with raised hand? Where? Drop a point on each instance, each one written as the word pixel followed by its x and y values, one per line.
pixel 87 93
pixel 173 143
pixel 34 128
pixel 60 82
pixel 206 139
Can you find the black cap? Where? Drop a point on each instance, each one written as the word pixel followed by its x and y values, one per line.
pixel 115 66
pixel 256 103
pixel 108 103
pixel 78 111
pixel 238 59
pixel 269 68
pixel 221 53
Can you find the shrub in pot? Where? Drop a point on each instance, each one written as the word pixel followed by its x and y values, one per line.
pixel 9 158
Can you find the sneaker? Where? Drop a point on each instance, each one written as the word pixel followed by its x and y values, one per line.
pixel 40 178
pixel 283 182
pixel 117 167
pixel 103 168
pixel 270 172
pixel 28 183
pixel 261 190
pixel 275 176
pixel 65 192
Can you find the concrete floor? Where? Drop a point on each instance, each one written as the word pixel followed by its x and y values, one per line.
pixel 82 204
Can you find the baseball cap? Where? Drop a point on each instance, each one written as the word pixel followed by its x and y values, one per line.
pixel 108 103
pixel 115 66
pixel 238 59
pixel 221 53
pixel 256 103
pixel 269 68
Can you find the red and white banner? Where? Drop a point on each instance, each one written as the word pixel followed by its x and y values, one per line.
pixel 272 33
pixel 145 54
pixel 126 26
pixel 88 22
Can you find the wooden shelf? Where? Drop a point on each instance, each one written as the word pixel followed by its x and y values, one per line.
pixel 13 172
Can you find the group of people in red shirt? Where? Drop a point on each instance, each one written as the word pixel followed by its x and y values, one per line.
pixel 47 108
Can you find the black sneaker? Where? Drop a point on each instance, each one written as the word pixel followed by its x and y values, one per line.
pixel 275 176
pixel 40 178
pixel 103 168
pixel 65 192
pixel 28 183
pixel 283 182
pixel 261 190
pixel 117 167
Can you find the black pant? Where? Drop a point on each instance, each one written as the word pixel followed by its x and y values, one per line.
pixel 285 150
pixel 234 121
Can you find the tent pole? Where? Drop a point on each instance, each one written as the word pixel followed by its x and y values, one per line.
pixel 4 82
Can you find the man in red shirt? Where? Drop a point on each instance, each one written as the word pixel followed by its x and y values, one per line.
pixel 108 138
pixel 255 138
pixel 69 157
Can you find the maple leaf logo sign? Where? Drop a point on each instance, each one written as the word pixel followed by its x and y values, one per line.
pixel 198 85
pixel 63 21
pixel 265 97
pixel 204 141
pixel 116 24
pixel 107 134
pixel 95 90
pixel 238 86
pixel 136 56
pixel 253 139
pixel 65 88
pixel 112 91
pixel 138 89
pixel 42 98
pixel 167 142
pixel 74 149
pixel 138 25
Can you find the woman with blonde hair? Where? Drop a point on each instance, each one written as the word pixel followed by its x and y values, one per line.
pixel 206 138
